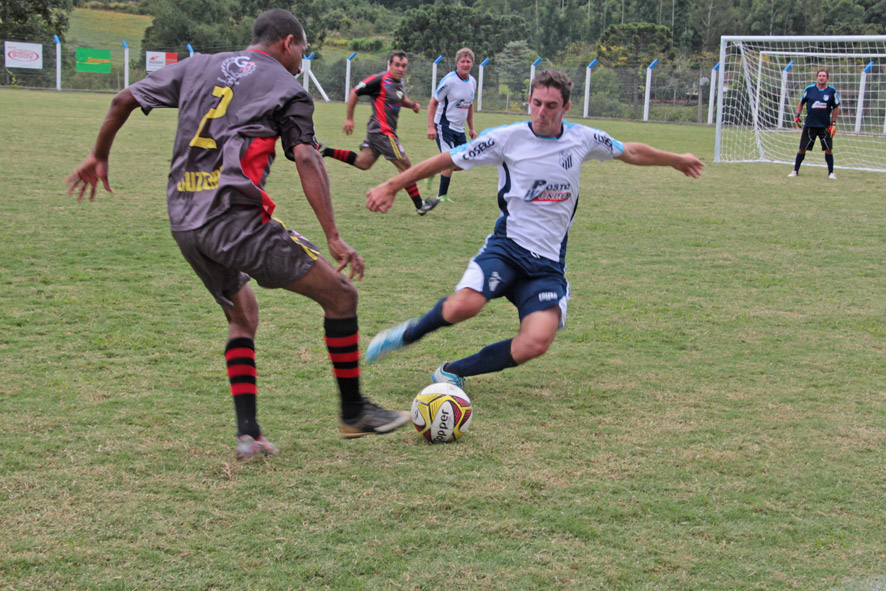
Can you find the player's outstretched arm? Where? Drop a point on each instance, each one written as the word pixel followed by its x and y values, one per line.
pixel 315 183
pixel 645 155
pixel 95 167
pixel 381 198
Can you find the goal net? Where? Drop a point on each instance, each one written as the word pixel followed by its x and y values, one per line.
pixel 762 79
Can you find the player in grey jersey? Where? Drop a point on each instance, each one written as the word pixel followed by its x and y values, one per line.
pixel 524 258
pixel 232 108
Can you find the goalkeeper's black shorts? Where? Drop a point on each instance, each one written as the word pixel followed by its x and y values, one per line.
pixel 807 141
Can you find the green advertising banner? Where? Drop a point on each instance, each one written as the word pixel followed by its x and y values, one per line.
pixel 94 60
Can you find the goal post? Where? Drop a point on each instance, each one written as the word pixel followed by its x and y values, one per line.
pixel 760 84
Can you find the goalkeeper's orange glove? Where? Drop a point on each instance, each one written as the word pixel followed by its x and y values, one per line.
pixel 832 130
pixel 797 121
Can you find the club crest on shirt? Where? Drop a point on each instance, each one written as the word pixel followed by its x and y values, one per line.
pixel 566 160
pixel 235 68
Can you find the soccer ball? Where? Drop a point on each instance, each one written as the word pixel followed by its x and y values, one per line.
pixel 441 413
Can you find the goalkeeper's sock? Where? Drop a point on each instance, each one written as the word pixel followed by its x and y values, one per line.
pixel 829 158
pixel 799 161
pixel 346 156
pixel 240 357
pixel 491 358
pixel 427 323
pixel 444 185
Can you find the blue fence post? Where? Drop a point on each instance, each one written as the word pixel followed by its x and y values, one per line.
pixel 480 85
pixel 434 74
pixel 531 78
pixel 190 50
pixel 125 65
pixel 588 86
pixel 784 93
pixel 648 89
pixel 348 76
pixel 58 63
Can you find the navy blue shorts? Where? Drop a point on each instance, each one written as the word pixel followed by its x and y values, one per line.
pixel 448 139
pixel 503 268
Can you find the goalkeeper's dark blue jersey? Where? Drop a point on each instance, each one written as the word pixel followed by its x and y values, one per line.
pixel 820 103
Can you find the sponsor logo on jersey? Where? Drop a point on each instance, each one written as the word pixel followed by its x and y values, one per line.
pixel 605 140
pixel 543 191
pixel 820 105
pixel 236 68
pixel 463 104
pixel 195 181
pixel 478 149
pixel 566 160
pixel 547 296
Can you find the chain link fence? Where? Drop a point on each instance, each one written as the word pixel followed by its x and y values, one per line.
pixel 679 91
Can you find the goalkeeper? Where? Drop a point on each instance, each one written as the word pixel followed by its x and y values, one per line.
pixel 822 106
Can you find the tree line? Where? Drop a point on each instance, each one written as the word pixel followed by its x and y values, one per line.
pixel 560 30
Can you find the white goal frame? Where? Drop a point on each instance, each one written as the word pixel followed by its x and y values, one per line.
pixel 762 78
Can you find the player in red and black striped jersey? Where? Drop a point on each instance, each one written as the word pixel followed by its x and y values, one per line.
pixel 232 108
pixel 388 96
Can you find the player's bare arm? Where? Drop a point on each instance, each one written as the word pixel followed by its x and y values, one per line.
pixel 432 112
pixel 95 167
pixel 315 183
pixel 640 154
pixel 411 104
pixel 470 122
pixel 381 198
pixel 349 117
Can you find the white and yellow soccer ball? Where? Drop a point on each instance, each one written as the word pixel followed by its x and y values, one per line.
pixel 442 413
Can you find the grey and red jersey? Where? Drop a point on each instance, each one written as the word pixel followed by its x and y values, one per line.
pixel 387 97
pixel 232 107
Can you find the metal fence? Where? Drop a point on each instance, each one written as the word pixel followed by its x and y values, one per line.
pixel 679 92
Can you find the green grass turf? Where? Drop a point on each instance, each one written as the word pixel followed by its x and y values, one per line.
pixel 713 417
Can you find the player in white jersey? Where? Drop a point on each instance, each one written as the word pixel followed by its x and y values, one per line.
pixel 524 258
pixel 450 108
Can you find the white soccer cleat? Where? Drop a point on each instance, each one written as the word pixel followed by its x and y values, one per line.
pixel 247 446
pixel 793 174
pixel 441 376
pixel 832 176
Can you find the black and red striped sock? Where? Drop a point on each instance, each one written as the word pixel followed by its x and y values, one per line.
pixel 414 195
pixel 346 156
pixel 240 357
pixel 343 344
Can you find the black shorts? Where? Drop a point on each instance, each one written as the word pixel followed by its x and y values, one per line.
pixel 236 246
pixel 807 140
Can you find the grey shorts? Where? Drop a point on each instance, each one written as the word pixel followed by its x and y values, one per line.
pixel 384 145
pixel 237 246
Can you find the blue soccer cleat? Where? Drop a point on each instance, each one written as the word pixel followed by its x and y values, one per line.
pixel 388 341
pixel 441 376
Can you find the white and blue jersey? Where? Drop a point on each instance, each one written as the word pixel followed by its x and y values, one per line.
pixel 538 180
pixel 820 103
pixel 456 96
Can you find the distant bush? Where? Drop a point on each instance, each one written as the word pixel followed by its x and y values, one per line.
pixel 370 45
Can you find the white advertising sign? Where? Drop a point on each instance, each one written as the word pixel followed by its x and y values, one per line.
pixel 154 60
pixel 23 55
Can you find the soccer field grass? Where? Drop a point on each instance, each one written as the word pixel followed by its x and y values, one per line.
pixel 713 417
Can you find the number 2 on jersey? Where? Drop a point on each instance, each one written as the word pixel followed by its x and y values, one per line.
pixel 217 111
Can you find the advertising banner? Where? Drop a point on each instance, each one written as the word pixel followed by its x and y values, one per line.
pixel 23 55
pixel 154 60
pixel 94 60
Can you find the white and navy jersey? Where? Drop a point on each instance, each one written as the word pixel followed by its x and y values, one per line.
pixel 455 96
pixel 538 179
pixel 820 102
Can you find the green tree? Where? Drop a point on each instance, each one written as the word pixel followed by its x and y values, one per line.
pixel 513 66
pixel 422 31
pixel 635 45
pixel 215 25
pixel 32 20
